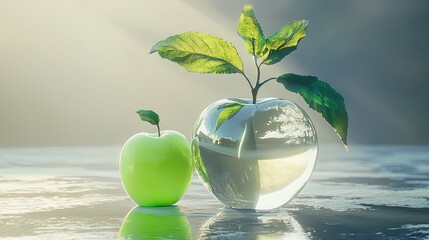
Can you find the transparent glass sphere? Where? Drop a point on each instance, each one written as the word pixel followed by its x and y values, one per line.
pixel 259 157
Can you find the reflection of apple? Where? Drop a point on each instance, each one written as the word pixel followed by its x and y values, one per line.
pixel 156 169
pixel 155 223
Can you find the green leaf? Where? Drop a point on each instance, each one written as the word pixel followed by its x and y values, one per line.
pixel 148 116
pixel 200 52
pixel 284 41
pixel 228 111
pixel 321 97
pixel 249 29
pixel 276 56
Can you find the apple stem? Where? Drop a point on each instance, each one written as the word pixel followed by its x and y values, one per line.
pixel 159 132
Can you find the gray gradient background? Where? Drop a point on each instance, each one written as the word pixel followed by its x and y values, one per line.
pixel 74 72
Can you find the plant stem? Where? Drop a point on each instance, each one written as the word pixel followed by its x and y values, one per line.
pixel 255 93
pixel 254 89
pixel 258 77
pixel 269 79
pixel 159 132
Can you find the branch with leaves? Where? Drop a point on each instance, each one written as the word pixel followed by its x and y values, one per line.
pixel 204 53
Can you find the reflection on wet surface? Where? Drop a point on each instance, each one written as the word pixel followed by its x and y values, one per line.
pixel 155 223
pixel 75 193
pixel 236 224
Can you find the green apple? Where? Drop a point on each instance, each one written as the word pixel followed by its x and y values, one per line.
pixel 156 169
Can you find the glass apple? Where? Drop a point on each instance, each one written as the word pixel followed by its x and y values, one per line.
pixel 258 157
pixel 156 169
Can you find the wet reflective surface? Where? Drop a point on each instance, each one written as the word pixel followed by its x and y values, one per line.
pixel 371 192
pixel 260 157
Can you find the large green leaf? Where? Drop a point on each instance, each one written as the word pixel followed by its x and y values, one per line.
pixel 284 41
pixel 227 112
pixel 321 97
pixel 249 29
pixel 200 52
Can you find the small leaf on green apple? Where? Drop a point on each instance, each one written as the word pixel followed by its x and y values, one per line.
pixel 249 29
pixel 200 53
pixel 148 116
pixel 321 97
pixel 227 112
pixel 284 41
